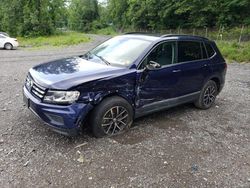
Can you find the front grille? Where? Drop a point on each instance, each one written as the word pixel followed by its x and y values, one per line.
pixel 38 91
pixel 34 88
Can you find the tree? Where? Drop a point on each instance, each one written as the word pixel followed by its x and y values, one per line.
pixel 11 16
pixel 82 13
pixel 234 12
pixel 118 13
pixel 58 13
pixel 31 17
pixel 162 14
pixel 43 17
pixel 36 18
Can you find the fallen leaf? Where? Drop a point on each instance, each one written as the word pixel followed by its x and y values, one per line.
pixel 81 159
pixel 80 145
pixel 26 164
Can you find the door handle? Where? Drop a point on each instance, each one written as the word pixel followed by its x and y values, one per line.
pixel 205 65
pixel 177 70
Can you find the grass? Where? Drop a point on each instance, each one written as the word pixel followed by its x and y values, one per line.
pixel 234 51
pixel 62 39
pixel 106 31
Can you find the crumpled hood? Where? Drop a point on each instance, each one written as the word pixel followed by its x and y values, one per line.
pixel 66 73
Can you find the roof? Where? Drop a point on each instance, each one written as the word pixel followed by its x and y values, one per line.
pixel 184 36
pixel 143 36
pixel 158 36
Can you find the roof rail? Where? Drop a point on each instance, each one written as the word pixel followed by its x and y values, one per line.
pixel 182 35
pixel 130 33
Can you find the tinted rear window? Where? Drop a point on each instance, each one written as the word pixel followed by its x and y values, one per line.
pixel 189 51
pixel 204 53
pixel 210 50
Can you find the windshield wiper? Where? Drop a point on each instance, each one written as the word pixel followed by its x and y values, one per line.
pixel 104 60
pixel 100 57
pixel 85 56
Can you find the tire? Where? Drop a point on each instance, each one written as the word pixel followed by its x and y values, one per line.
pixel 207 96
pixel 8 46
pixel 112 116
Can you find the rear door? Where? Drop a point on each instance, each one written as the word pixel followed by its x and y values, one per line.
pixel 193 65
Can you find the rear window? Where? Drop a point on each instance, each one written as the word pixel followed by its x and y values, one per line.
pixel 189 51
pixel 210 50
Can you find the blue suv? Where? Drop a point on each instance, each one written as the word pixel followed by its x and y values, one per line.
pixel 124 78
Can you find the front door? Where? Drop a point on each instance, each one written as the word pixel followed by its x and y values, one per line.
pixel 2 40
pixel 159 84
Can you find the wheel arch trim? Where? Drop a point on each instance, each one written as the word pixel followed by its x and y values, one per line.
pixel 217 79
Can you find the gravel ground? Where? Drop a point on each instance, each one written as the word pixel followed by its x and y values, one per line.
pixel 180 147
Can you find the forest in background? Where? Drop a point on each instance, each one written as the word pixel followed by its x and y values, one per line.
pixel 46 17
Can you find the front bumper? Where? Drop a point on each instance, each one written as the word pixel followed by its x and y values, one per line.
pixel 65 120
pixel 15 44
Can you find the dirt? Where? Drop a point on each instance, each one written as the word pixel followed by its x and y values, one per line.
pixel 179 147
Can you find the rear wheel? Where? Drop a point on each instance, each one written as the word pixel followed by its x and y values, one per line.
pixel 8 46
pixel 112 116
pixel 207 96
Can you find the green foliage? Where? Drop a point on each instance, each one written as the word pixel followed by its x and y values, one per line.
pixel 31 17
pixel 62 39
pixel 106 31
pixel 233 51
pixel 163 14
pixel 36 19
pixel 43 17
pixel 82 14
pixel 118 13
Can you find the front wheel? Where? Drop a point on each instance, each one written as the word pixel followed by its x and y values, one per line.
pixel 112 116
pixel 207 96
pixel 8 46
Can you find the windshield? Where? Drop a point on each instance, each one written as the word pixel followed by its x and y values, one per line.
pixel 121 51
pixel 2 36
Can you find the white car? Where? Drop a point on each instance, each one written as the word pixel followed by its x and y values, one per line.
pixel 7 42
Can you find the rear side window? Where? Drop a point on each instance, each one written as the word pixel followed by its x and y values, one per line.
pixel 204 52
pixel 189 51
pixel 210 50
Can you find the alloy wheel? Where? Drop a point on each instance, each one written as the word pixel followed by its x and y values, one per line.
pixel 209 95
pixel 115 120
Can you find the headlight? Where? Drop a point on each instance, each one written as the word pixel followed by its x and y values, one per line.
pixel 61 97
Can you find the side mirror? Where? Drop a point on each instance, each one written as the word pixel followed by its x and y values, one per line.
pixel 152 65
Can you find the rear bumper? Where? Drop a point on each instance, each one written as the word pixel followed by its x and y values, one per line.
pixel 223 79
pixel 65 120
pixel 221 87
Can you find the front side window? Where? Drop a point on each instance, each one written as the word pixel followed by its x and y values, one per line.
pixel 164 54
pixel 189 51
pixel 121 51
